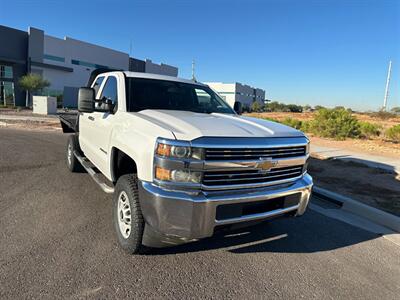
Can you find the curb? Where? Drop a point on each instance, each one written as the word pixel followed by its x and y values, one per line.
pixel 375 215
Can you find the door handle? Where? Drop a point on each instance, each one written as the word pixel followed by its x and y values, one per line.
pixel 91 118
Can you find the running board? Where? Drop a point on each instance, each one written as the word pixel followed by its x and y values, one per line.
pixel 97 177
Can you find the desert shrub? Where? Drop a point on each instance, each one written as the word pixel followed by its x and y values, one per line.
pixel 306 126
pixel 334 123
pixel 383 115
pixel 369 130
pixel 292 123
pixel 393 133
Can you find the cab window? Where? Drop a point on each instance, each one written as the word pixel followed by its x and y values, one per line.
pixel 97 84
pixel 110 92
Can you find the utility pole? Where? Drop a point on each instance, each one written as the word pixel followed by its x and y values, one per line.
pixel 387 86
pixel 193 77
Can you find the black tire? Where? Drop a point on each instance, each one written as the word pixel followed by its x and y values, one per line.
pixel 127 187
pixel 72 162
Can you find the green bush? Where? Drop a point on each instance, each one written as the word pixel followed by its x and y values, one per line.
pixel 393 133
pixel 275 106
pixel 369 130
pixel 334 123
pixel 293 123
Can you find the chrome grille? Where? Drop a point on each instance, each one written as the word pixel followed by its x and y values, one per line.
pixel 250 154
pixel 216 178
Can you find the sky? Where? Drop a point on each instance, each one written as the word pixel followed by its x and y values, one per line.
pixel 312 52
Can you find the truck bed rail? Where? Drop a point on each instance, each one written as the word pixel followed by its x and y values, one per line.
pixel 69 122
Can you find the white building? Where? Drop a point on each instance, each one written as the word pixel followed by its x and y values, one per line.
pixel 236 91
pixel 67 63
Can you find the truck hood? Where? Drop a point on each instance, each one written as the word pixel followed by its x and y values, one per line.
pixel 186 125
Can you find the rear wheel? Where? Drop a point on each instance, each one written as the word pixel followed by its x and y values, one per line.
pixel 72 162
pixel 127 215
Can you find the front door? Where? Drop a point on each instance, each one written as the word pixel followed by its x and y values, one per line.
pixel 101 129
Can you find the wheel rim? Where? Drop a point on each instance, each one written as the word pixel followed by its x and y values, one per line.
pixel 69 154
pixel 124 215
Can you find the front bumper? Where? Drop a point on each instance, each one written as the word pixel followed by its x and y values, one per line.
pixel 174 217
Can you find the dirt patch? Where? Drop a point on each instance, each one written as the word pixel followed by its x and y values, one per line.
pixel 374 187
pixel 372 147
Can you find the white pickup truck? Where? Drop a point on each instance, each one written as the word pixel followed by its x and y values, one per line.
pixel 180 162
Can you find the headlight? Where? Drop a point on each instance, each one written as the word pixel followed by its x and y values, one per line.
pixel 166 150
pixel 180 151
pixel 183 176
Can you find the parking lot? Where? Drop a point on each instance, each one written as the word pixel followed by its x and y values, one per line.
pixel 57 241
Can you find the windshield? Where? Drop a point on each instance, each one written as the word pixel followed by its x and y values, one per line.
pixel 160 94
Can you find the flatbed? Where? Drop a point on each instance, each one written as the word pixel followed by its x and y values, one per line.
pixel 69 122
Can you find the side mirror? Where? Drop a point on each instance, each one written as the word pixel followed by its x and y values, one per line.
pixel 86 100
pixel 237 107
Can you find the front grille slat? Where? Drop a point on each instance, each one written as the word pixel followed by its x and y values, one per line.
pixel 253 150
pixel 248 154
pixel 215 178
pixel 251 178
pixel 254 155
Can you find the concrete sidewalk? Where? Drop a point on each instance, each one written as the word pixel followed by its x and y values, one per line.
pixel 6 117
pixel 375 161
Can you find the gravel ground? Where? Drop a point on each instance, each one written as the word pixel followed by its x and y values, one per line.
pixel 57 241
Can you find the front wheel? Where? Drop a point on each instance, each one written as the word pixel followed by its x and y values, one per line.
pixel 127 215
pixel 72 162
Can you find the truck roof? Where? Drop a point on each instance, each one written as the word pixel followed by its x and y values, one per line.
pixel 159 77
pixel 99 71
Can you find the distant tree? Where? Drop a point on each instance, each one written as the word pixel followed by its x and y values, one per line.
pixel 255 106
pixel 307 107
pixel 294 108
pixel 339 107
pixel 32 83
pixel 318 107
pixel 274 106
pixel 396 110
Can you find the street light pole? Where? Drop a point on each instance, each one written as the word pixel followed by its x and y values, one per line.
pixel 387 86
pixel 193 77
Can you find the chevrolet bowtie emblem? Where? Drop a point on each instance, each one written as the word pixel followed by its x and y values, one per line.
pixel 265 164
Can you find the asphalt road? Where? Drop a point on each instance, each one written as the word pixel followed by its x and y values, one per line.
pixel 57 241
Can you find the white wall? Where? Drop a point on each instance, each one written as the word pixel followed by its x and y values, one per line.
pixel 238 92
pixel 71 49
pixel 226 90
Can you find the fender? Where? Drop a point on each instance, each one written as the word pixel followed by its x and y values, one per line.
pixel 136 137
